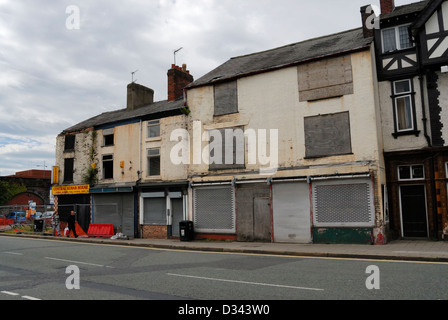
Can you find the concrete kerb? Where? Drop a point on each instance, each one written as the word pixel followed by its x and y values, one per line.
pixel 228 248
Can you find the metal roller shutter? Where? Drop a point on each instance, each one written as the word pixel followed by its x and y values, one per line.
pixel 214 209
pixel 343 203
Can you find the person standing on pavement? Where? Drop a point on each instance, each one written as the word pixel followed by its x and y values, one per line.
pixel 72 224
pixel 56 221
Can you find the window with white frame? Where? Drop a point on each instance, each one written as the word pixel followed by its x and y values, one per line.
pixel 411 172
pixel 154 129
pixel 396 38
pixel 153 162
pixel 404 111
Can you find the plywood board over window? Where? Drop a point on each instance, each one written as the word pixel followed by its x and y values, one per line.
pixel 328 135
pixel 324 79
pixel 226 98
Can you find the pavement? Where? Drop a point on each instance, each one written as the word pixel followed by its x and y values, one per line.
pixel 403 250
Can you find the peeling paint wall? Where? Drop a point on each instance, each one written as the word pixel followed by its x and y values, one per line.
pixel 130 149
pixel 271 101
pixel 80 154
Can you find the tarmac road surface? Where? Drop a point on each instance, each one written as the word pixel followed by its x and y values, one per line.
pixel 32 269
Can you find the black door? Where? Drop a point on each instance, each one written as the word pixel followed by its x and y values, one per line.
pixel 413 211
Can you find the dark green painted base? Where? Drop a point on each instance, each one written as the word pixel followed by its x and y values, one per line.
pixel 343 235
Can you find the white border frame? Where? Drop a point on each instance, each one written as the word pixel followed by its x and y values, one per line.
pixel 411 179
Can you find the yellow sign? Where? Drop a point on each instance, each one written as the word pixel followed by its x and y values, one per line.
pixel 79 189
pixel 55 175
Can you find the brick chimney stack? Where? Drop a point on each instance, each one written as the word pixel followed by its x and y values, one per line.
pixel 178 79
pixel 387 6
pixel 367 21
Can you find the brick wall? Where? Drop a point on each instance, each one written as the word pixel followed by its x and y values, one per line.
pixel 154 232
pixel 387 6
pixel 178 79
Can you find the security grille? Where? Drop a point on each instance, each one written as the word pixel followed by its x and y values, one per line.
pixel 214 209
pixel 343 204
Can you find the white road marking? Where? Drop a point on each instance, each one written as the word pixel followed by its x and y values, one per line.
pixel 30 298
pixel 14 253
pixel 78 262
pixel 245 282
pixel 10 293
pixel 17 294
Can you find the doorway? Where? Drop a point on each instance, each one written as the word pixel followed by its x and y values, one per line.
pixel 414 215
pixel 254 213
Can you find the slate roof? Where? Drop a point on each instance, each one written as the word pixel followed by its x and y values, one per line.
pixel 125 115
pixel 339 43
pixel 408 9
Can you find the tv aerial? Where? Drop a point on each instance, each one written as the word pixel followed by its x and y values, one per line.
pixel 175 52
pixel 133 73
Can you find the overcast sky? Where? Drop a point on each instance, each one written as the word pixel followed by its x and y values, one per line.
pixel 54 74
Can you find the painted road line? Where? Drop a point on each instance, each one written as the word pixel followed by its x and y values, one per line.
pixel 10 293
pixel 245 282
pixel 78 262
pixel 14 253
pixel 30 298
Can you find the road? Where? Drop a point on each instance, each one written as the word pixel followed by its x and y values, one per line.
pixel 38 269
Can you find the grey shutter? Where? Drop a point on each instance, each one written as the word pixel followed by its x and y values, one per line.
pixel 343 203
pixel 214 209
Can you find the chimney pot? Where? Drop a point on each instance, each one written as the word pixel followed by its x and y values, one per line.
pixel 387 6
pixel 178 79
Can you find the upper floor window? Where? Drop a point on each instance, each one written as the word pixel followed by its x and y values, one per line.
pixel 396 38
pixel 227 149
pixel 153 162
pixel 327 135
pixel 325 78
pixel 404 110
pixel 68 169
pixel 108 167
pixel 414 172
pixel 226 98
pixel 108 137
pixel 154 129
pixel 69 144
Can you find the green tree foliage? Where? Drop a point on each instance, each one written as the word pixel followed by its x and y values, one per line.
pixel 9 190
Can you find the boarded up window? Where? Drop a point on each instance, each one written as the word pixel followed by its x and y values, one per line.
pixel 325 79
pixel 226 98
pixel 227 148
pixel 328 135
